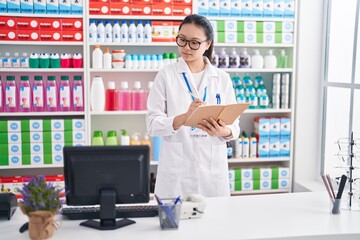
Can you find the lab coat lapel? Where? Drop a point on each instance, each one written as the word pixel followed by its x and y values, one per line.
pixel 209 74
pixel 183 67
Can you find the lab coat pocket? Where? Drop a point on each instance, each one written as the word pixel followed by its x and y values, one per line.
pixel 171 157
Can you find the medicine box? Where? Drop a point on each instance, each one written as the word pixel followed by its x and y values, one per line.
pixel 268 8
pixel 3 6
pixel 57 159
pixel 263 147
pixel 225 8
pixel 13 126
pixel 265 173
pixel 262 126
pixel 265 184
pixel 274 124
pixel 231 25
pixel 285 127
pixel 246 174
pixel 289 8
pixel 26 6
pixel 76 6
pixel 40 6
pixel 257 8
pixel 162 31
pixel 274 147
pixel 65 6
pixel 214 8
pixel 278 8
pixel 203 8
pixel 37 159
pixel 247 185
pixel 246 8
pixel 268 27
pixel 284 27
pixel 15 160
pixel 284 146
pixel 52 6
pixel 284 172
pixel 235 10
pixel 14 138
pixel 13 6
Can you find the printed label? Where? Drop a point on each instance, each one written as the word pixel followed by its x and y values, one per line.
pixel 78 97
pixel 25 97
pixel 38 96
pixel 64 96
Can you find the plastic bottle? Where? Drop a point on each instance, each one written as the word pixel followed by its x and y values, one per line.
pixel 44 60
pixel 259 85
pixel 238 147
pixel 252 99
pixel 77 60
pixel 108 31
pixel 128 61
pixel 134 140
pixel 100 31
pixel 229 150
pixel 64 94
pixel 124 138
pixel 34 61
pixel 257 61
pixel 38 94
pixel 116 31
pixel 132 32
pixel 244 59
pixel 156 142
pixel 10 94
pixel 51 94
pixel 223 59
pixel 78 94
pixel 7 63
pixel 139 32
pixel 146 141
pixel 154 61
pixel 141 62
pixel 270 60
pixel 65 61
pixel 173 57
pixel 135 61
pixel 245 152
pixel 146 93
pixel 215 59
pixel 147 60
pixel 24 94
pixel 234 59
pixel 137 97
pixel 92 32
pixel 16 60
pixel 111 139
pixel 97 58
pixel 97 139
pixel 160 61
pixel 166 59
pixel 107 59
pixel 263 99
pixel 110 97
pixel 97 94
pixel 54 60
pixel 1 97
pixel 282 60
pixel 253 146
pixel 125 97
pixel 24 61
pixel 147 32
pixel 124 32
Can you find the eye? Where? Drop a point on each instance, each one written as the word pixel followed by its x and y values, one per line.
pixel 194 43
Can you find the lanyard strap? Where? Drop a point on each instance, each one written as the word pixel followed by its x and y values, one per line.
pixel 189 88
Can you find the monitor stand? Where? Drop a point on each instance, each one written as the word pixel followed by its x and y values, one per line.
pixel 107 213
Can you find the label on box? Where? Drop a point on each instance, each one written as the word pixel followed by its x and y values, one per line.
pixel 57 124
pixel 268 38
pixel 265 184
pixel 57 159
pixel 57 136
pixel 247 185
pixel 40 6
pixel 284 172
pixel 285 127
pixel 37 159
pixel 262 127
pixel 72 36
pixel 265 173
pixel 250 37
pixel 76 6
pixel 274 124
pixel 78 124
pixel 49 24
pixel 15 149
pixel 246 8
pixel 161 10
pixel 36 125
pixel 15 160
pixel 181 10
pixel 14 126
pixel 14 138
pixel 36 148
pixel 36 137
pixel 278 8
pixel 119 9
pixel 235 10
pixel 99 8
pixel 27 23
pixel 3 6
pixel 8 35
pixel 268 8
pixel 289 8
pixel 263 147
pixel 72 24
pixel 57 148
pixel 246 173
pixel 274 147
pixel 284 147
pixel 48 35
pixel 141 9
pixel 269 27
pixel 13 6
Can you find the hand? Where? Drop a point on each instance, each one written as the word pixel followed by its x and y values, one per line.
pixel 195 104
pixel 214 128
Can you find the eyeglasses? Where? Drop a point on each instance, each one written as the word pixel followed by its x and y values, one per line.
pixel 193 44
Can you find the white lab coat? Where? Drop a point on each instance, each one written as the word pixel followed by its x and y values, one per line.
pixel 188 164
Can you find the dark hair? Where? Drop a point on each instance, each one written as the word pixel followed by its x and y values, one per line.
pixel 204 23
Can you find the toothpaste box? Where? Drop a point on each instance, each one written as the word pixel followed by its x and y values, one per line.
pixel 3 6
pixel 214 8
pixel 13 6
pixel 27 6
pixel 268 8
pixel 257 10
pixel 52 6
pixel 40 6
pixel 235 10
pixel 65 6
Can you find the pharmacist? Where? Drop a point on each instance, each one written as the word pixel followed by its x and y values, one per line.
pixel 191 160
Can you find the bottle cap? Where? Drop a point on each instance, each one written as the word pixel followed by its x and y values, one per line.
pixel 147 57
pixel 16 54
pixel 134 57
pixel 77 78
pixel 100 22
pixel 111 134
pixel 107 50
pixel 24 78
pixel 97 134
pixel 38 78
pixel 64 78
pixel 32 55
pixel 107 22
pixel 166 56
pixel 139 22
pixel 51 78
pixel 123 132
pixel 137 85
pixel 124 85
pixel 128 57
pixel 111 85
pixel 173 55
pixel 116 21
pixel 159 57
pixel 77 56
pixel 141 57
pixel 10 78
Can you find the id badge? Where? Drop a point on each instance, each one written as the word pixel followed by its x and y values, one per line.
pixel 197 132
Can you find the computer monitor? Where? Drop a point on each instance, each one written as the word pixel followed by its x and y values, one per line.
pixel 106 175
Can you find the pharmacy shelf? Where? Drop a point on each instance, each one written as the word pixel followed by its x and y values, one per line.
pixel 237 193
pixel 261 19
pixel 141 17
pixel 32 166
pixel 117 113
pixel 150 44
pixel 31 114
pixel 257 45
pixel 119 70
pixel 257 70
pixel 36 15
pixel 257 160
pixel 32 43
pixel 267 110
pixel 42 70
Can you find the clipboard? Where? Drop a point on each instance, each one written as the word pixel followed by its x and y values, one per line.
pixel 227 113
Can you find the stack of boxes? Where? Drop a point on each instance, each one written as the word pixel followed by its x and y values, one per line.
pixel 38 142
pixel 42 6
pixel 264 178
pixel 164 31
pixel 268 32
pixel 273 135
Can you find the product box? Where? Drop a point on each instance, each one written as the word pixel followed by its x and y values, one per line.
pixel 71 24
pixel 214 8
pixel 35 148
pixel 203 8
pixel 52 6
pixel 249 26
pixel 246 8
pixel 289 8
pixel 278 8
pixel 140 1
pixel 274 124
pixel 285 127
pixel 36 137
pixel 235 8
pixel 263 147
pixel 26 6
pixel 246 174
pixel 283 27
pixel 265 173
pixel 225 8
pixel 27 23
pixel 65 6
pixel 181 10
pixel 77 136
pixel 13 126
pixel 274 150
pixel 161 10
pixel 8 35
pixel 266 37
pixel 182 2
pixel 235 186
pixel 36 125
pixel 4 159
pixel 284 146
pixel 162 31
pixel 48 35
pixel 265 184
pixel 76 6
pixel 15 149
pixel 262 126
pixel 26 35
pixel 120 9
pixel 230 26
pixel 40 6
pixel 230 37
pixel 15 160
pixel 12 184
pixel 247 185
pixel 3 22
pixel 57 159
pixel 72 36
pixel 77 124
pixel 268 27
pixel 13 6
pixel 284 172
pixel 167 2
pixel 145 9
pixel 51 24
pixel 57 148
pixel 14 138
pixel 98 8
pixel 57 136
pixel 37 159
pixel 250 37
pixel 257 8
pixel 235 174
pixel 268 8
pixel 281 184
pixel 3 6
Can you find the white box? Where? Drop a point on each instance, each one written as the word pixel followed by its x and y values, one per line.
pixel 15 149
pixel 57 137
pixel 230 25
pixel 235 10
pixel 36 137
pixel 268 8
pixel 78 124
pixel 278 8
pixel 274 124
pixel 250 26
pixel 214 25
pixel 265 184
pixel 230 37
pixel 284 172
pixel 36 125
pixel 263 147
pixel 287 27
pixel 203 8
pixel 14 138
pixel 13 6
pixel 57 124
pixel 37 159
pixel 57 148
pixel 249 37
pixel 231 175
pixel 265 173
pixel 246 174
pixel 257 6
pixel 27 6
pixel 287 38
pixel 274 150
pixel 247 185
pixel 268 37
pixel 225 8
pixel 214 8
pixel 57 159
pixel 246 8
pixel 289 8
pixel 14 126
pixel 65 6
pixel 15 160
pixel 36 148
pixel 284 183
pixel 76 6
pixel 79 136
pixel 232 186
pixel 268 27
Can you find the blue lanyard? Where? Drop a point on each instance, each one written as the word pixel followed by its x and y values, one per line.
pixel 189 88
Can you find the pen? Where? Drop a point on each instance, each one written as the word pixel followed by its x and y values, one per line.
pixel 193 95
pixel 330 185
pixel 336 206
pixel 218 98
pixel 327 188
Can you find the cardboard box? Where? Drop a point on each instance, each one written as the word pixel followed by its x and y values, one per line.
pixel 257 8
pixel 65 6
pixel 246 8
pixel 225 8
pixel 289 9
pixel 181 10
pixel 274 124
pixel 268 8
pixel 284 172
pixel 285 127
pixel 120 9
pixel 76 7
pixel 36 137
pixel 40 6
pixel 284 147
pixel 70 36
pixel 37 159
pixel 161 10
pixel 235 10
pixel 162 31
pixel 99 8
pixel 214 8
pixel 8 35
pixel 141 9
pixel 47 35
pixel 263 147
pixel 274 147
pixel 27 23
pixel 203 7
pixel 13 6
pixel 71 24
pixel 262 126
pixel 278 8
pixel 52 6
pixel 3 6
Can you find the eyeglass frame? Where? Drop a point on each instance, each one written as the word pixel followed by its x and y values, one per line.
pixel 188 42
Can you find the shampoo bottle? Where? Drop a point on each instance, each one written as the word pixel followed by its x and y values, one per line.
pixel 10 94
pixel 97 94
pixel 111 139
pixel 135 140
pixel 38 94
pixel 64 95
pixel 282 60
pixel 97 139
pixel 257 61
pixel 253 145
pixel 24 94
pixel 78 94
pixel 245 145
pixel 234 59
pixel 223 59
pixel 270 60
pixel 110 97
pixel 51 94
pixel 107 59
pixel 97 58
pixel 239 147
pixel 244 59
pixel 124 138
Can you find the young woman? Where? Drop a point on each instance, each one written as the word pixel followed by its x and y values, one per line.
pixel 192 160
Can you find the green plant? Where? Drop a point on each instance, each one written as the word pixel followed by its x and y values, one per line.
pixel 40 195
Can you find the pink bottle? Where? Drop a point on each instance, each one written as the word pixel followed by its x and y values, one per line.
pixel 10 94
pixel 65 60
pixel 110 97
pixel 137 97
pixel 24 95
pixel 146 94
pixel 124 97
pixel 51 94
pixel 38 95
pixel 64 94
pixel 78 94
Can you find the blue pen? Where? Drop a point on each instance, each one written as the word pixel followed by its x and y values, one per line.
pixel 218 98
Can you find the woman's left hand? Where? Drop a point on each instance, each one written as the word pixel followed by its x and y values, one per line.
pixel 214 128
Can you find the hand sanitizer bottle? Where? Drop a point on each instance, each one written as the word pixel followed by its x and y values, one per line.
pixel 108 31
pixel 223 59
pixel 270 60
pixel 234 59
pixel 116 31
pixel 282 60
pixel 92 31
pixel 257 61
pixel 244 59
pixel 263 99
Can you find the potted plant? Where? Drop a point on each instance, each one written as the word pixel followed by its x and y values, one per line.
pixel 41 201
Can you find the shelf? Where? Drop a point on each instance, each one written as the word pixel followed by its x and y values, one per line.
pixel 32 166
pixel 41 70
pixel 24 114
pixel 237 193
pixel 37 15
pixel 262 19
pixel 132 17
pixel 150 44
pixel 154 163
pixel 268 110
pixel 257 160
pixel 119 70
pixel 39 43
pixel 118 113
pixel 229 70
pixel 257 45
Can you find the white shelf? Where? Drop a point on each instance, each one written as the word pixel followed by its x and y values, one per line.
pixel 257 45
pixel 237 193
pixel 23 114
pixel 151 44
pixel 41 70
pixel 38 15
pixel 141 17
pixel 32 166
pixel 267 110
pixel 256 160
pixel 118 113
pixel 229 70
pixel 261 19
pixel 40 43
pixel 120 70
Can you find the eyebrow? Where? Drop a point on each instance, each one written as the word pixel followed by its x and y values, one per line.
pixel 183 36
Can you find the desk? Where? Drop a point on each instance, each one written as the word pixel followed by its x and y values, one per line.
pixel 293 216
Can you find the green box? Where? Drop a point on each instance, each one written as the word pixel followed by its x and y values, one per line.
pixel 278 27
pixel 25 137
pixel 221 37
pixel 25 126
pixel 275 173
pixel 68 136
pixel 4 138
pixel 3 126
pixel 237 185
pixel 47 159
pixel 259 37
pixel 240 26
pixel 256 184
pixel 221 25
pixel 256 174
pixel 4 160
pixel 259 27
pixel 26 160
pixel 47 137
pixel 47 146
pixel 4 149
pixel 68 125
pixel 68 144
pixel 237 174
pixel 274 183
pixel 240 37
pixel 278 37
pixel 46 125
pixel 25 148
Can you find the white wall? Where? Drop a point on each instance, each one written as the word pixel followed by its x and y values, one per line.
pixel 308 91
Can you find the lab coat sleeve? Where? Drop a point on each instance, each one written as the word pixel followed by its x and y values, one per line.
pixel 230 98
pixel 158 123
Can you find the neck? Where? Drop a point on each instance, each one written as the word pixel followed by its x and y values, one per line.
pixel 196 66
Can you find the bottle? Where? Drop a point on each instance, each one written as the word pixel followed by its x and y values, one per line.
pixel 137 97
pixel 139 32
pixel 116 31
pixel 107 59
pixel 38 94
pixel 147 32
pixel 16 60
pixel 10 94
pixel 110 97
pixel 229 150
pixel 166 59
pixel 245 152
pixel 44 60
pixel 111 139
pixel 270 60
pixel 173 57
pixel 78 94
pixel 108 31
pixel 134 140
pixel 146 141
pixel 282 60
pixel 100 31
pixel 97 139
pixel 259 85
pixel 125 97
pixel 34 61
pixel 1 61
pixel 154 61
pixel 215 59
pixel 223 59
pixel 238 147
pixel 159 61
pixel 24 61
pixel 64 94
pixel 1 97
pixel 147 60
pixel 124 32
pixel 156 142
pixel 146 94
pixel 244 59
pixel 7 62
pixel 97 58
pixel 77 60
pixel 128 61
pixel 124 138
pixel 24 94
pixel 97 95
pixel 132 32
pixel 64 60
pixel 253 146
pixel 257 61
pixel 253 99
pixel 51 94
pixel 234 59
pixel 92 32
pixel 263 99
pixel 135 62
pixel 141 62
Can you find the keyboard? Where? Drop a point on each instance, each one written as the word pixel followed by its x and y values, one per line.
pixel 93 212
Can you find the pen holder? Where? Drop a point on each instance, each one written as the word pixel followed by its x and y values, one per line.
pixel 169 214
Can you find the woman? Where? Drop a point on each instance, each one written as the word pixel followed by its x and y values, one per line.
pixel 191 161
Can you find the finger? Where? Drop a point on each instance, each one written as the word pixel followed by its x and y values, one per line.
pixel 209 125
pixel 214 123
pixel 221 123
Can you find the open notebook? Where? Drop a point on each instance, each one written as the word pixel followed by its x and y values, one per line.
pixel 227 113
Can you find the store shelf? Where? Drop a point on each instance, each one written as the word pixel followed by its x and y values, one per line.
pixel 118 113
pixel 31 114
pixel 141 17
pixel 259 192
pixel 262 19
pixel 257 45
pixel 229 70
pixel 39 70
pixel 120 70
pixel 39 43
pixel 151 44
pixel 257 160
pixel 35 15
pixel 32 166
pixel 268 110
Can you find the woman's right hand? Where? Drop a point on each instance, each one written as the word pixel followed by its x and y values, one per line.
pixel 195 104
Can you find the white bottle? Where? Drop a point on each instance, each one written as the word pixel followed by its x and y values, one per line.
pixel 92 31
pixel 16 60
pixel 24 61
pixel 107 59
pixel 245 153
pixel 141 62
pixel 154 62
pixel 238 147
pixel 234 59
pixel 132 32
pixel 257 61
pixel 135 62
pixel 139 32
pixel 270 60
pixel 97 94
pixel 147 61
pixel 97 58
pixel 108 31
pixel 253 146
pixel 7 60
pixel 1 63
pixel 124 32
pixel 116 31
pixel 100 32
pixel 147 32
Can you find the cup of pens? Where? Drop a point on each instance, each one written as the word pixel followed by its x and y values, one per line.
pixel 169 213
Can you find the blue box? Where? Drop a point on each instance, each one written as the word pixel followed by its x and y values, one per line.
pixel 76 6
pixel 235 10
pixel 274 147
pixel 65 7
pixel 40 6
pixel 246 8
pixel 3 5
pixel 278 8
pixel 27 6
pixel 289 9
pixel 257 8
pixel 13 6
pixel 284 146
pixel 52 7
pixel 225 7
pixel 268 8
